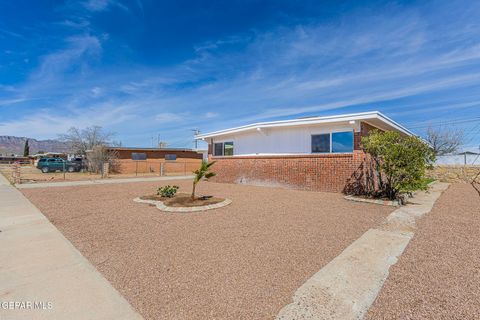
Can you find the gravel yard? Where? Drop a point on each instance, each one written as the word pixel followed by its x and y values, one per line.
pixel 438 275
pixel 243 261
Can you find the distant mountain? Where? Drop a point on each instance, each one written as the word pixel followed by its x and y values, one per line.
pixel 15 145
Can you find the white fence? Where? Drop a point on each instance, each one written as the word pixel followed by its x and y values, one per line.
pixel 467 159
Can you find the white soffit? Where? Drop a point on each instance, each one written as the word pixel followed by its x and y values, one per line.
pixel 374 118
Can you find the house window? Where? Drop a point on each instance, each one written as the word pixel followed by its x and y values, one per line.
pixel 218 149
pixel 139 156
pixel 228 149
pixel 170 157
pixel 320 143
pixel 342 142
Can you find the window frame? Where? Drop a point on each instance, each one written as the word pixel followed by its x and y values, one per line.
pixel 222 143
pixel 330 134
pixel 353 141
pixel 321 134
pixel 215 149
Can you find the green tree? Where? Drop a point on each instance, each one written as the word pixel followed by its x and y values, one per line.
pixel 202 172
pixel 26 149
pixel 400 162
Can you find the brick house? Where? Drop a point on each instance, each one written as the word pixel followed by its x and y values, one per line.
pixel 152 160
pixel 315 153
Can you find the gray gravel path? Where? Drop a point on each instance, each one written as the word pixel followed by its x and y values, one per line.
pixel 243 261
pixel 438 275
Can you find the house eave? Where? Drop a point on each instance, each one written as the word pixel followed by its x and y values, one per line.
pixel 364 116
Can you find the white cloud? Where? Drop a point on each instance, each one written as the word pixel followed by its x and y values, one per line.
pixel 96 91
pixel 210 115
pixel 311 68
pixel 96 5
pixel 167 117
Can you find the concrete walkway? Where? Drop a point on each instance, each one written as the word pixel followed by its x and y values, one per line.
pixel 94 182
pixel 42 276
pixel 347 286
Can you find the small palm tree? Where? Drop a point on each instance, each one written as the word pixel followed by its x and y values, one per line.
pixel 200 173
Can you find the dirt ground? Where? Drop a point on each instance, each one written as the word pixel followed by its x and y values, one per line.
pixel 243 261
pixel 438 275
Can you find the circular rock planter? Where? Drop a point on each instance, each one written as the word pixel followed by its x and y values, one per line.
pixel 180 203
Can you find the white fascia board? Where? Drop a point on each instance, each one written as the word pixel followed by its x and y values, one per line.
pixel 309 121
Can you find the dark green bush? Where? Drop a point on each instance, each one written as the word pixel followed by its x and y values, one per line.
pixel 167 191
pixel 400 162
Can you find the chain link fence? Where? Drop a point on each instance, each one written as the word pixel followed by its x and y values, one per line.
pixel 26 172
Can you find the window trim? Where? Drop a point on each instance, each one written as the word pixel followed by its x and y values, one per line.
pixel 223 148
pixel 331 142
pixel 353 141
pixel 214 149
pixel 321 134
pixel 225 142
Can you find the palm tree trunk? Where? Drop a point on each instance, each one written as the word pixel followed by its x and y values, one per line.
pixel 193 190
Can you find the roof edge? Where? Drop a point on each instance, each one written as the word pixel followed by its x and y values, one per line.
pixel 311 120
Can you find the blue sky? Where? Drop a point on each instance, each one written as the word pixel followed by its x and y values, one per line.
pixel 144 68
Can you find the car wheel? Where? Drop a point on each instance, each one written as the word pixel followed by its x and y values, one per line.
pixel 45 169
pixel 70 169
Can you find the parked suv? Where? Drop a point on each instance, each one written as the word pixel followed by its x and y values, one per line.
pixel 55 164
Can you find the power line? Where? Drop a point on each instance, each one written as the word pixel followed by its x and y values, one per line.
pixel 473 135
pixel 440 123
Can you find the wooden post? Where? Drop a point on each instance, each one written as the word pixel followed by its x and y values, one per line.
pixel 16 174
pixel 105 169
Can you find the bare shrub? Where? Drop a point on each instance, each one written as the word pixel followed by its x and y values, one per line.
pixel 93 143
pixel 100 155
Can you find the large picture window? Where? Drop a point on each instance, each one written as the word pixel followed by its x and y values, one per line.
pixel 321 143
pixel 228 149
pixel 342 142
pixel 336 142
pixel 218 149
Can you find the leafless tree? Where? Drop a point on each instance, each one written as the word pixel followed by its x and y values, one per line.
pixel 99 155
pixel 444 140
pixel 92 143
pixel 81 140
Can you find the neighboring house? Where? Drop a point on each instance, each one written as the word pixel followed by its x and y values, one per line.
pixel 148 160
pixel 315 153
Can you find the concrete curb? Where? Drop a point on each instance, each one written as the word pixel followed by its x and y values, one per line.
pixel 347 286
pixel 162 207
pixel 96 182
pixel 40 267
pixel 393 203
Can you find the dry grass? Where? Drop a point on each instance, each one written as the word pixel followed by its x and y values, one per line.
pixel 243 261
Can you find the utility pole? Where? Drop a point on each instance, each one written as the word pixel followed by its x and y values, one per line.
pixel 195 141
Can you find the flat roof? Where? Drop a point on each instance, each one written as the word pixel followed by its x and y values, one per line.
pixel 374 116
pixel 149 149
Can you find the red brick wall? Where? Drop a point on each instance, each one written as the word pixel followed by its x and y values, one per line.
pixel 157 154
pixel 319 172
pixel 180 166
pixel 327 172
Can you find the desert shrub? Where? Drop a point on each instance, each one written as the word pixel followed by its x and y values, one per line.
pixel 399 162
pixel 167 191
